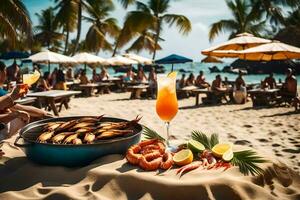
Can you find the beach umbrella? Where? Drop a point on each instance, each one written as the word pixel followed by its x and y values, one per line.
pixel 51 57
pixel 86 58
pixel 120 60
pixel 211 59
pixel 240 42
pixel 173 59
pixel 271 51
pixel 139 59
pixel 14 55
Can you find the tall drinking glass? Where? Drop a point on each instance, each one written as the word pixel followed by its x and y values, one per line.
pixel 166 103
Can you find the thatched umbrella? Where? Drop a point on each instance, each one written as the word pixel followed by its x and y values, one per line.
pixel 86 58
pixel 139 59
pixel 49 57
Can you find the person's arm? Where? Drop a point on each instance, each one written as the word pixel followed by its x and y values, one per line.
pixel 46 86
pixel 7 117
pixel 7 101
pixel 32 111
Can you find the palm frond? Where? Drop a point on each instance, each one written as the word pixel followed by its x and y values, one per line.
pixel 181 21
pixel 151 134
pixel 221 26
pixel 247 162
pixel 208 142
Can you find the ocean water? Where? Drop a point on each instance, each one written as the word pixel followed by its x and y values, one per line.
pixel 192 67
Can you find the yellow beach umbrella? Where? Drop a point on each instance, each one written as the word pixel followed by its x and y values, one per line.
pixel 240 42
pixel 272 51
pixel 211 59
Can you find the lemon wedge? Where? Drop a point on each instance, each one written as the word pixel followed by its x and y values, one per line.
pixel 219 149
pixel 30 79
pixel 183 157
pixel 172 74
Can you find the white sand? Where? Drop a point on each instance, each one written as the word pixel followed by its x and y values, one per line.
pixel 273 132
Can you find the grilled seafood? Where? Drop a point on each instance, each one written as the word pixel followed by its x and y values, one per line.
pixel 84 130
pixel 150 155
pixel 45 136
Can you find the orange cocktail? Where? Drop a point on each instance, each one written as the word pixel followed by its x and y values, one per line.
pixel 166 102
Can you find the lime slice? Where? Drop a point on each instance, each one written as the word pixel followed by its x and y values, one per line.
pixel 219 149
pixel 195 146
pixel 228 155
pixel 172 74
pixel 183 157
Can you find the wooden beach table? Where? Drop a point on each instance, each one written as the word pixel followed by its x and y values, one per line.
pixel 26 101
pixel 88 89
pixel 199 91
pixel 136 90
pixel 54 96
pixel 262 97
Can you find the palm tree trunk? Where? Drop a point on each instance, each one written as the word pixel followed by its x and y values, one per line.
pixel 116 47
pixel 156 38
pixel 67 39
pixel 78 28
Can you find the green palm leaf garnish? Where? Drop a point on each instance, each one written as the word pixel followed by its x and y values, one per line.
pixel 208 142
pixel 151 134
pixel 247 162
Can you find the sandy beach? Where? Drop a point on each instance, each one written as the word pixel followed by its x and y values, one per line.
pixel 272 132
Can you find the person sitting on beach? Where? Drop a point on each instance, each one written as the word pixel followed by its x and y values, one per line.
pixel 12 120
pixel 289 87
pixel 32 111
pixel 53 77
pixel 200 81
pixel 43 83
pixel 152 82
pixel 240 92
pixel 95 77
pixel 13 72
pixel 69 74
pixel 60 81
pixel 269 82
pixel 103 74
pixel 191 80
pixel 141 77
pixel 129 76
pixel 181 82
pixel 218 88
pixel 83 78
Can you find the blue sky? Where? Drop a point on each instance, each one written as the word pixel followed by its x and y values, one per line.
pixel 202 13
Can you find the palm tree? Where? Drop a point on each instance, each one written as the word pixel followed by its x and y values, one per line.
pixel 146 40
pixel 126 3
pixel 152 16
pixel 14 21
pixel 273 9
pixel 47 30
pixel 66 17
pixel 101 26
pixel 246 18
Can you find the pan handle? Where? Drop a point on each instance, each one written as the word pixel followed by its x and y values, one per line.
pixel 20 145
